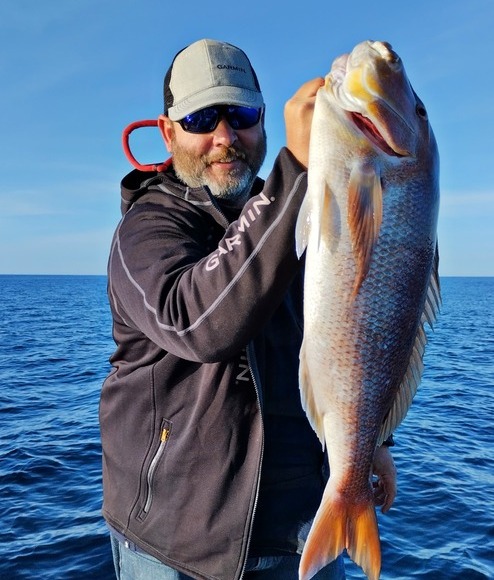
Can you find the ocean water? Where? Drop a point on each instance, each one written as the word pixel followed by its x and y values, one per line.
pixel 55 340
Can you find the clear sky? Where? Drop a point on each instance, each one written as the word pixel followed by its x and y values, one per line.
pixel 76 72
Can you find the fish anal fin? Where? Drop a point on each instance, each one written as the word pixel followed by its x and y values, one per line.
pixel 307 398
pixel 365 210
pixel 337 526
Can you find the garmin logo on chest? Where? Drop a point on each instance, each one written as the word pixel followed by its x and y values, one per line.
pixel 231 67
pixel 228 245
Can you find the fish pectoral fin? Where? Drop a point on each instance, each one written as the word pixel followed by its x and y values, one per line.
pixel 337 526
pixel 365 211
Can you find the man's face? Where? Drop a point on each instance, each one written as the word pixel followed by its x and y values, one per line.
pixel 225 160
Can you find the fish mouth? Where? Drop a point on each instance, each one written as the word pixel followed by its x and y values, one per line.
pixel 367 127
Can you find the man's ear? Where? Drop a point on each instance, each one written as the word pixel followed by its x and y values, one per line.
pixel 166 129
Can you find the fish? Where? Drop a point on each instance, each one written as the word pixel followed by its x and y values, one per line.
pixel 368 228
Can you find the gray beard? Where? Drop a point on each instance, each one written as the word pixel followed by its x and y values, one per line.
pixel 236 189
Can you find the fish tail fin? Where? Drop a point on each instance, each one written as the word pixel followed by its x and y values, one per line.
pixel 337 526
pixel 326 539
pixel 363 545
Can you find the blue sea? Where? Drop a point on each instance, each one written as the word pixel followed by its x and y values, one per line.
pixel 55 340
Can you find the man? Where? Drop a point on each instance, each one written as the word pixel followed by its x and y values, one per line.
pixel 210 467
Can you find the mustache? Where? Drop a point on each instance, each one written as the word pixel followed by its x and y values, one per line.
pixel 227 155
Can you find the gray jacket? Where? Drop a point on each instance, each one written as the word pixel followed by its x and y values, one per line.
pixel 202 400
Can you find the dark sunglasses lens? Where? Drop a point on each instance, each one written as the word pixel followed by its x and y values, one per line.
pixel 206 120
pixel 242 117
pixel 202 121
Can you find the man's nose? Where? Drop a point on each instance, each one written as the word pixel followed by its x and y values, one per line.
pixel 224 134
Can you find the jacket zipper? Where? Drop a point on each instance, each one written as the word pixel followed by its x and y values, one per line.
pixel 249 351
pixel 165 434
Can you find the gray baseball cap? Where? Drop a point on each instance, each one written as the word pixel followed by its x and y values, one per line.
pixel 206 73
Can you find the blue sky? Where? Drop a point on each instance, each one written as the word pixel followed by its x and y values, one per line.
pixel 76 72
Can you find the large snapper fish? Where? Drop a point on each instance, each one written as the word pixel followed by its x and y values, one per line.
pixel 368 226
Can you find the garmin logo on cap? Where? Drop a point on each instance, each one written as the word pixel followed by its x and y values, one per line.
pixel 230 67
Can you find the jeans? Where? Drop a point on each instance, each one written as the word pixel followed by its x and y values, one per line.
pixel 135 565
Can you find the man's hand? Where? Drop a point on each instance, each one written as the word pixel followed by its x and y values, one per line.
pixel 298 118
pixel 385 486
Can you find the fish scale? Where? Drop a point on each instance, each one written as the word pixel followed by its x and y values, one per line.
pixel 368 227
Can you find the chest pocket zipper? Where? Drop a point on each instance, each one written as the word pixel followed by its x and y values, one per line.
pixel 165 430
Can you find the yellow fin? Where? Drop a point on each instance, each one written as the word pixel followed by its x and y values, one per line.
pixel 365 209
pixel 363 544
pixel 337 526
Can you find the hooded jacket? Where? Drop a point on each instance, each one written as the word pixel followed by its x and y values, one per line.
pixel 207 454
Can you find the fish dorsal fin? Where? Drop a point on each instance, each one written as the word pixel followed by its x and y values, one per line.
pixel 413 375
pixel 433 300
pixel 365 210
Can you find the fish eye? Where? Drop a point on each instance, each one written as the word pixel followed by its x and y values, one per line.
pixel 420 110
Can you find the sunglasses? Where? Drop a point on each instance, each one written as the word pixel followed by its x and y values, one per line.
pixel 206 120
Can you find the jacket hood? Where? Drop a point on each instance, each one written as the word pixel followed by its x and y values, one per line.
pixel 134 185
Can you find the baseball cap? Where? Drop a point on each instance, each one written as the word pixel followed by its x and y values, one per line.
pixel 209 72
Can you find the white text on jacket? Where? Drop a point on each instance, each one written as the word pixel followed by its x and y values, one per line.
pixel 245 221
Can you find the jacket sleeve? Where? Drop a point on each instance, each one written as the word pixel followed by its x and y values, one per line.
pixel 199 303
